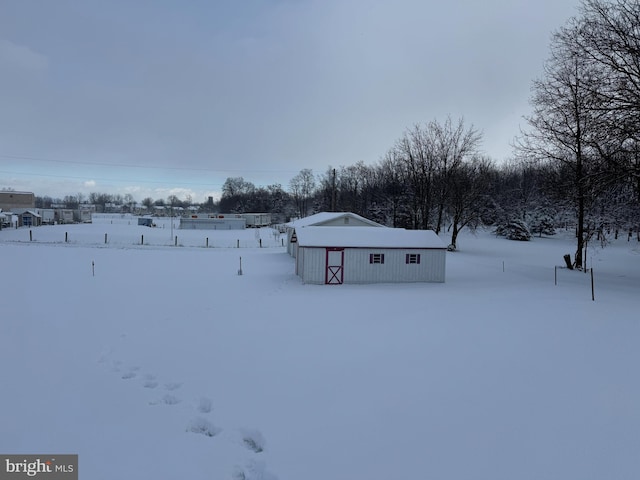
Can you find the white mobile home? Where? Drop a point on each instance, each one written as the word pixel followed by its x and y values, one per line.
pixel 257 220
pixel 369 255
pixel 324 219
pixel 213 221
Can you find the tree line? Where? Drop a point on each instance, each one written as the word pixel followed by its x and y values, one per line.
pixel 576 164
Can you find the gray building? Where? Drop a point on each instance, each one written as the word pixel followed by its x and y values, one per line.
pixel 17 201
pixel 338 255
pixel 29 218
pixel 213 221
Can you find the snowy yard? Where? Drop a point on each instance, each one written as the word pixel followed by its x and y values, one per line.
pixel 168 364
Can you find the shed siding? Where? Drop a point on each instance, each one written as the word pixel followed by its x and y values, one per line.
pixel 357 269
pixel 313 264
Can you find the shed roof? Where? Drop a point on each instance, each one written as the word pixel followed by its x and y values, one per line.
pixel 322 217
pixel 371 237
pixel 30 212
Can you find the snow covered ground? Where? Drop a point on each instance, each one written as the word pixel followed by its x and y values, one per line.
pixel 168 364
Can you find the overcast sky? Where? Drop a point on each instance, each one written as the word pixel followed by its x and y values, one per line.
pixel 160 97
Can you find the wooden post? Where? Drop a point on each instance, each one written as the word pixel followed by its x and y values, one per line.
pixel 30 236
pixel 142 240
pixel 238 243
pixel 105 238
pixel 593 294
pixel 176 242
pixel 260 240
pixel 584 258
pixel 555 275
pixel 66 237
pixel 93 268
pixel 207 243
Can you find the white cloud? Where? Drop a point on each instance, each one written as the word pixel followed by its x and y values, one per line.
pixel 21 56
pixel 89 183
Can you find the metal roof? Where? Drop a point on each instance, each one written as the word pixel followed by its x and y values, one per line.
pixel 367 237
pixel 322 217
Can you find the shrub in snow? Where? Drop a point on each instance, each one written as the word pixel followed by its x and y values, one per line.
pixel 542 222
pixel 514 230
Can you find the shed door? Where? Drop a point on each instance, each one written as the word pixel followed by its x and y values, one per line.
pixel 335 266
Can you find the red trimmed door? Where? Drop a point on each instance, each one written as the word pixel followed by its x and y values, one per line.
pixel 334 273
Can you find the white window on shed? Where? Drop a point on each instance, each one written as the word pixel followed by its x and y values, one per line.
pixel 412 258
pixel 376 258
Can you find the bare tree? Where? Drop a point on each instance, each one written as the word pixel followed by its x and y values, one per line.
pixel 302 187
pixel 454 143
pixel 416 149
pixel 469 187
pixel 148 203
pixel 392 187
pixel 608 34
pixel 566 120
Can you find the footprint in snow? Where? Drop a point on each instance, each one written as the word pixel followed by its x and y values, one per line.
pixel 172 386
pixel 149 381
pixel 166 400
pixel 130 373
pixel 253 440
pixel 203 427
pixel 253 470
pixel 204 405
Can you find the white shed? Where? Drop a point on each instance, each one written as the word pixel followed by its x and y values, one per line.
pixel 324 219
pixel 369 255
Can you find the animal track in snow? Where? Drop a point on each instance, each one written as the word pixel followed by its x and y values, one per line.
pixel 171 386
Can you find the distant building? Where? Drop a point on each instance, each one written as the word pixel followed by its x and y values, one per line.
pixel 29 218
pixel 225 221
pixel 13 201
pixel 64 215
pixel 85 210
pixel 48 215
pixel 213 221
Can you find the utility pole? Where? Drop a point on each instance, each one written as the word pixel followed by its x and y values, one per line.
pixel 333 191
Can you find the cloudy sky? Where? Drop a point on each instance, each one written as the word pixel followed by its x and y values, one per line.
pixel 160 97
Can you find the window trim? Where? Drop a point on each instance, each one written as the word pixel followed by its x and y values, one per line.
pixel 376 258
pixel 412 259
